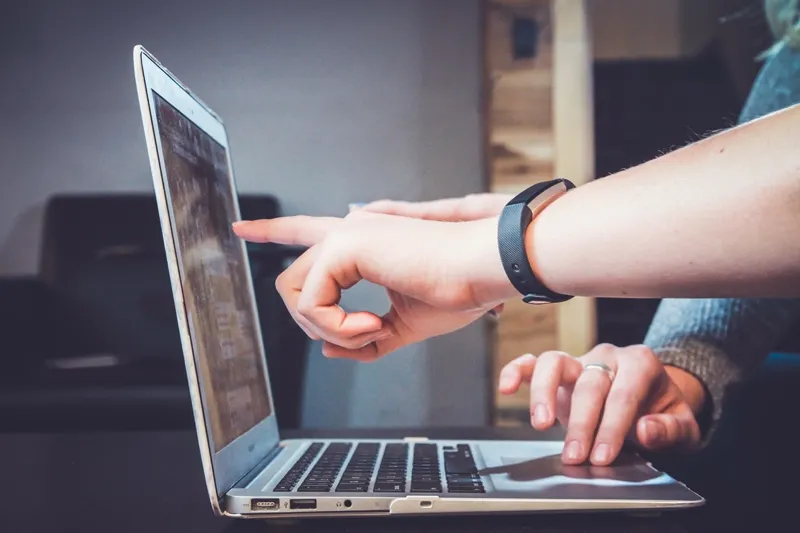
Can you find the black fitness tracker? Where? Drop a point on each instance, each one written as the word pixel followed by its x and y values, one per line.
pixel 514 221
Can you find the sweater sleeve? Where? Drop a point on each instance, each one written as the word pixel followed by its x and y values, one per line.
pixel 720 341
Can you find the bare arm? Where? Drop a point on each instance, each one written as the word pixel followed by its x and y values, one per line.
pixel 720 217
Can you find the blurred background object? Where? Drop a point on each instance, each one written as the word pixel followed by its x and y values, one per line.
pixel 97 346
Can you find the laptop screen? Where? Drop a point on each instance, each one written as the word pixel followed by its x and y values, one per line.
pixel 213 271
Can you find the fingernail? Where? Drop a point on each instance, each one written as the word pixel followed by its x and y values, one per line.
pixel 601 453
pixel 356 206
pixel 240 223
pixel 541 415
pixel 506 382
pixel 653 431
pixel 573 450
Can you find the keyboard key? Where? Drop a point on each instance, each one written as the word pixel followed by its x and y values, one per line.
pixel 393 468
pixel 298 470
pixel 466 490
pixel 425 469
pixel 455 463
pixel 390 487
pixel 327 468
pixel 358 473
pixel 420 486
pixel 460 471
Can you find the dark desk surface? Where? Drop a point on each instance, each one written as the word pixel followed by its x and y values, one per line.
pixel 153 482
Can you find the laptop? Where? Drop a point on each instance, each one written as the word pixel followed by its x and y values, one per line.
pixel 249 470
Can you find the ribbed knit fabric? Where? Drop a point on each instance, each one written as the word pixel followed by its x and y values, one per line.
pixel 722 341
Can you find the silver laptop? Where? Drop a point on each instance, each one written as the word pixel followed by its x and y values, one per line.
pixel 249 470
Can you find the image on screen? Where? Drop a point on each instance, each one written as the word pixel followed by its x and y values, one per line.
pixel 213 277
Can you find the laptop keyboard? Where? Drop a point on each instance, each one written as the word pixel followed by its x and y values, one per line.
pixel 322 476
pixel 460 473
pixel 393 469
pixel 358 474
pixel 426 476
pixel 298 470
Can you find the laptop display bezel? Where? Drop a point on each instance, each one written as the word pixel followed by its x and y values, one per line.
pixel 231 463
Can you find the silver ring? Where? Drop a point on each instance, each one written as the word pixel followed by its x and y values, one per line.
pixel 600 366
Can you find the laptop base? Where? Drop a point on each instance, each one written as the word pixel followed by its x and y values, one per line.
pixel 515 477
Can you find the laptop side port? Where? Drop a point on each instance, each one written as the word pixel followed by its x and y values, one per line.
pixel 265 504
pixel 303 504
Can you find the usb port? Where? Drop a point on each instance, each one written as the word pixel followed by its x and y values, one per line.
pixel 265 504
pixel 305 503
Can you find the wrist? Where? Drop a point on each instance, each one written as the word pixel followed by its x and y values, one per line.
pixel 544 246
pixel 488 281
pixel 693 390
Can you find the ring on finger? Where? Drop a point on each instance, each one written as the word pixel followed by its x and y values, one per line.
pixel 601 367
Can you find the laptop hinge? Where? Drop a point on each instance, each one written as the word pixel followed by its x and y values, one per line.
pixel 258 468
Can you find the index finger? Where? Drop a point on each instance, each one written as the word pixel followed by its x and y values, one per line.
pixel 298 230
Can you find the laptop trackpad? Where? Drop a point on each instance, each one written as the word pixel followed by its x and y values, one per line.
pixel 537 466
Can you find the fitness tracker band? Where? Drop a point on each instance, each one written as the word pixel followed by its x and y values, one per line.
pixel 514 221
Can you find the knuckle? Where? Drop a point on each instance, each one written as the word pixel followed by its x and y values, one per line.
pixel 509 368
pixel 359 215
pixel 642 353
pixel 644 358
pixel 305 308
pixel 281 283
pixel 550 357
pixel 605 347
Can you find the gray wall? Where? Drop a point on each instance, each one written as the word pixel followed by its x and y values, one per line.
pixel 326 102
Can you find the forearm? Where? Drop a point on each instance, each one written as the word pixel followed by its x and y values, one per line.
pixel 720 217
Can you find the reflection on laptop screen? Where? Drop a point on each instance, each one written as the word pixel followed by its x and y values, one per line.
pixel 214 278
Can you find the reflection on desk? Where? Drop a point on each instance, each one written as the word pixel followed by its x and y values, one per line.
pixel 152 482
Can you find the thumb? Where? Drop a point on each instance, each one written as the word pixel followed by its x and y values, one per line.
pixel 668 430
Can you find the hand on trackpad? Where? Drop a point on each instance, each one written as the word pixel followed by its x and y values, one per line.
pixel 526 469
